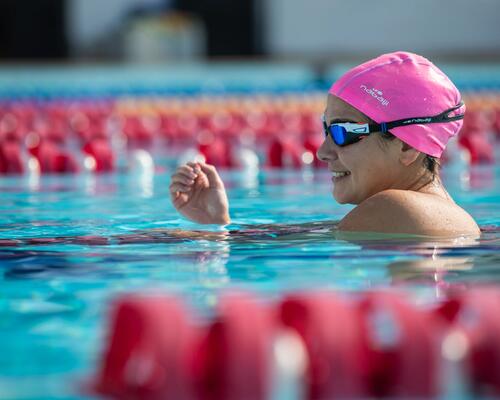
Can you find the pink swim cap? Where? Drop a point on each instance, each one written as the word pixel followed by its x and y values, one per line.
pixel 403 85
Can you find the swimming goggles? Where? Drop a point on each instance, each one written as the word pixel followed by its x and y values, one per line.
pixel 345 133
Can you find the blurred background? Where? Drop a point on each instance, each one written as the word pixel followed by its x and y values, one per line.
pixel 197 74
pixel 173 30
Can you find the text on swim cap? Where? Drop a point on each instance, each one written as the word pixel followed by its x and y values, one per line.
pixel 377 94
pixel 417 121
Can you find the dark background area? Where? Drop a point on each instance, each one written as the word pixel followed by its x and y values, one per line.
pixel 36 29
pixel 31 30
pixel 316 32
pixel 231 25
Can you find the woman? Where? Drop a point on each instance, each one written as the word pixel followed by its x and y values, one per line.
pixel 386 123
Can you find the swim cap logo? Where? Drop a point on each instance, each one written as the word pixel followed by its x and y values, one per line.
pixel 376 94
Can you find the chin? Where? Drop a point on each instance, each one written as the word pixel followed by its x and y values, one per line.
pixel 344 198
pixel 341 199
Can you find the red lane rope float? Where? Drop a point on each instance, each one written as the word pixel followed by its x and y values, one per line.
pixel 403 347
pixel 332 332
pixel 148 352
pixel 140 131
pixel 216 150
pixel 286 128
pixel 233 360
pixel 52 158
pixel 479 147
pixel 475 136
pixel 484 335
pixel 285 153
pixel 101 155
pixel 11 160
pixel 379 345
pixel 496 123
pixel 472 317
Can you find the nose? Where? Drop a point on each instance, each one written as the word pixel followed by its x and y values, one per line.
pixel 327 151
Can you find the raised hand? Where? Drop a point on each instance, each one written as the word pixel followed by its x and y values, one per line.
pixel 198 193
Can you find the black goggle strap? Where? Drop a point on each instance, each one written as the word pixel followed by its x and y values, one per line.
pixel 439 118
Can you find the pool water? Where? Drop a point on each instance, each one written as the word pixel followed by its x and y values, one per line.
pixel 55 294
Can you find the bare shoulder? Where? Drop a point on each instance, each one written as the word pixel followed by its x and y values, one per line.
pixel 404 211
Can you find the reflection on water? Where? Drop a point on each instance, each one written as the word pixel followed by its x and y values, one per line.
pixel 283 255
pixel 69 246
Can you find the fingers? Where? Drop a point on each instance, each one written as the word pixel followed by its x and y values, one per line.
pixel 211 173
pixel 188 171
pixel 176 189
pixel 195 166
pixel 194 174
pixel 182 179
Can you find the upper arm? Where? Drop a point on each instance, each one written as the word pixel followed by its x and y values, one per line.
pixel 390 211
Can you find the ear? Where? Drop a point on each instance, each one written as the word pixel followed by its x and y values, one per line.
pixel 408 155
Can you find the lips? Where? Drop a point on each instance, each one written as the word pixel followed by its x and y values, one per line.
pixel 337 176
pixel 340 174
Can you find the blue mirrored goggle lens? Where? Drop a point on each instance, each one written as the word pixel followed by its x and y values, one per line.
pixel 338 134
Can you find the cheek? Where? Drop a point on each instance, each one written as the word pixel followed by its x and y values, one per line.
pixel 373 166
pixel 370 172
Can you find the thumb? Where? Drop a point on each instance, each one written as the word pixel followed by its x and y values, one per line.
pixel 212 175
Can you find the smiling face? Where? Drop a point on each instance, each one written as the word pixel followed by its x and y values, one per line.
pixel 368 166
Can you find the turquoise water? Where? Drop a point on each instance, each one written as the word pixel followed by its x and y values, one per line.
pixel 54 297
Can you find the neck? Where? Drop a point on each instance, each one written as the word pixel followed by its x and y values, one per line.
pixel 423 181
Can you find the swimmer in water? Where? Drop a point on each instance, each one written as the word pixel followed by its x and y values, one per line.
pixel 386 124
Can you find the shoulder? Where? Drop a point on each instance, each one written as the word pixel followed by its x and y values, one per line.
pixel 389 211
pixel 408 212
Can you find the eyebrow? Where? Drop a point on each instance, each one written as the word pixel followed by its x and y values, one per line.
pixel 340 120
